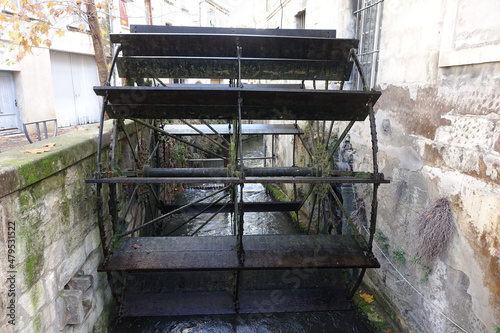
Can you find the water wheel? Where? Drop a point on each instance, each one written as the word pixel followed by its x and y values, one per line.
pixel 153 115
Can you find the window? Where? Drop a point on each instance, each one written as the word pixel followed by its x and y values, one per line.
pixel 368 26
pixel 300 20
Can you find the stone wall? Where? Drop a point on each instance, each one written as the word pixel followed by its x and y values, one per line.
pixel 439 134
pixel 438 124
pixel 53 271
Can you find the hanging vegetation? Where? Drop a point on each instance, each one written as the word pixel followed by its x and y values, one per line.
pixel 434 230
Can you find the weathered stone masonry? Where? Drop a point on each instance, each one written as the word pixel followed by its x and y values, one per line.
pixel 58 250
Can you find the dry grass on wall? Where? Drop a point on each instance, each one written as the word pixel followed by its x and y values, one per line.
pixel 434 229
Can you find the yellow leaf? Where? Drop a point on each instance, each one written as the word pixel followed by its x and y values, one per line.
pixel 36 150
pixel 16 36
pixel 51 4
pixel 367 297
pixel 50 144
pixel 3 18
pixel 60 33
pixel 81 27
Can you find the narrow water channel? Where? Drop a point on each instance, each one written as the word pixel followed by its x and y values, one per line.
pixel 255 223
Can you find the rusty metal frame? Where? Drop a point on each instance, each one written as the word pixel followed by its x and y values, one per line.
pixel 238 175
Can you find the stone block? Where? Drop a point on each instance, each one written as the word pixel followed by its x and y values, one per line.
pixel 81 282
pixel 55 254
pixel 84 283
pixel 70 266
pixel 92 241
pixel 70 308
pixel 50 288
pixel 92 263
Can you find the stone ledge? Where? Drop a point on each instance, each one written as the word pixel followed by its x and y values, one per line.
pixel 20 170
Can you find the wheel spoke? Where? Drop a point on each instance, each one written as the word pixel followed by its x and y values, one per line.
pixel 170 213
pixel 204 122
pixel 204 135
pixel 177 138
pixel 198 214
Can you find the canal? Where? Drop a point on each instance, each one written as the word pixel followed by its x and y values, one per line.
pixel 255 223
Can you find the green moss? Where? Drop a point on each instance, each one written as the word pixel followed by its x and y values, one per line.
pixel 36 295
pixel 32 240
pixel 25 199
pixel 372 311
pixel 426 270
pixel 382 240
pixel 40 190
pixel 37 323
pixel 33 267
pixel 65 207
pixel 399 255
pixel 37 170
pixel 278 195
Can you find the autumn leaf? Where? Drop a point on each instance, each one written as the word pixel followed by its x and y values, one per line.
pixel 3 18
pixel 60 33
pixel 367 297
pixel 13 7
pixel 36 150
pixel 50 144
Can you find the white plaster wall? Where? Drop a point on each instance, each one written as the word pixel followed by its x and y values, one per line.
pixel 33 80
pixel 33 77
pixel 443 130
pixel 438 124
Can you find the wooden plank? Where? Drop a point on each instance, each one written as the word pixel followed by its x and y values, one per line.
pixel 227 68
pixel 162 29
pixel 203 101
pixel 219 252
pixel 257 301
pixel 226 129
pixel 224 45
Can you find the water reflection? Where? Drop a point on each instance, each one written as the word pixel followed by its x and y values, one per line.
pixel 315 322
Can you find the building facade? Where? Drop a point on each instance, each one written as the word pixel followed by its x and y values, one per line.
pixel 437 65
pixel 56 82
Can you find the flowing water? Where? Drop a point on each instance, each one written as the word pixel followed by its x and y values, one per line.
pixel 255 223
